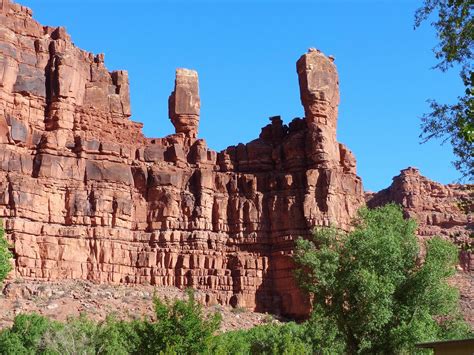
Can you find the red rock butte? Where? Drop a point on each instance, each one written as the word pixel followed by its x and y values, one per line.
pixel 84 195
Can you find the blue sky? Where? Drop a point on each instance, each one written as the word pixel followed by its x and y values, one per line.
pixel 245 53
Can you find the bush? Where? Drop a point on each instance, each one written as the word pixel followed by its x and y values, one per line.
pixel 180 328
pixel 83 336
pixel 289 338
pixel 5 256
pixel 371 292
pixel 25 336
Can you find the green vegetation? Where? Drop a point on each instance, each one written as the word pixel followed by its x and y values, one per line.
pixel 289 338
pixel 455 27
pixel 5 255
pixel 34 334
pixel 180 328
pixel 371 292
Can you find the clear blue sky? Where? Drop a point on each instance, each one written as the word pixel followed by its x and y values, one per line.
pixel 245 53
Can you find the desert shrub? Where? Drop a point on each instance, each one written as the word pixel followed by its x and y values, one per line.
pixel 84 336
pixel 76 336
pixel 25 336
pixel 118 337
pixel 35 334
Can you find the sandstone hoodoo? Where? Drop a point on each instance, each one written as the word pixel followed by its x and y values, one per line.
pixel 84 195
pixel 184 103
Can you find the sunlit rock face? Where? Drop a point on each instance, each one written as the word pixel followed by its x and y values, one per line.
pixel 443 210
pixel 84 195
pixel 184 103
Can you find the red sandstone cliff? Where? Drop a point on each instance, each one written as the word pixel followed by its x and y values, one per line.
pixel 444 210
pixel 85 195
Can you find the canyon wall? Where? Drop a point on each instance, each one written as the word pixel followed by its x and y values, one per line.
pixel 84 195
pixel 443 210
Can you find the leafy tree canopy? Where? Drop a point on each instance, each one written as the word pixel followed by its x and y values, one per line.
pixel 455 30
pixel 370 289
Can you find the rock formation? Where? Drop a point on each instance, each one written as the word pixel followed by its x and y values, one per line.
pixel 184 103
pixel 444 210
pixel 84 195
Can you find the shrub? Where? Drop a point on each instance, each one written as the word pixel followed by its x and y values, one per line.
pixel 5 255
pixel 25 336
pixel 289 338
pixel 181 328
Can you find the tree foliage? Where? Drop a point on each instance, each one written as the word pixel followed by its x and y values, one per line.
pixel 371 290
pixel 371 295
pixel 290 338
pixel 180 328
pixel 455 30
pixel 35 334
pixel 5 255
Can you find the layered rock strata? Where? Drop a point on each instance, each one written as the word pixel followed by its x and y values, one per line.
pixel 84 195
pixel 443 210
pixel 184 103
pixel 439 209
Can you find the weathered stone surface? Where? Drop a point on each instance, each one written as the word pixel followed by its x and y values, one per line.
pixel 18 130
pixel 88 197
pixel 444 210
pixel 84 195
pixel 184 103
pixel 319 91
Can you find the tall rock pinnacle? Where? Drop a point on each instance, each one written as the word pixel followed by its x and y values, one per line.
pixel 319 91
pixel 184 103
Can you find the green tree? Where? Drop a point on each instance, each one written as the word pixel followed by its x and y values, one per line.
pixel 5 255
pixel 180 328
pixel 25 336
pixel 371 293
pixel 289 338
pixel 35 334
pixel 455 30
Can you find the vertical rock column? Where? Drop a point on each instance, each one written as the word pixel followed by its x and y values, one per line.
pixel 319 90
pixel 184 103
pixel 66 82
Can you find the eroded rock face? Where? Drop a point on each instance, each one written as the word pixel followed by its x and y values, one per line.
pixel 444 210
pixel 184 103
pixel 85 195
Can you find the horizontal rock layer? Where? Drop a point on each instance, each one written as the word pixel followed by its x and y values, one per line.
pixel 443 210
